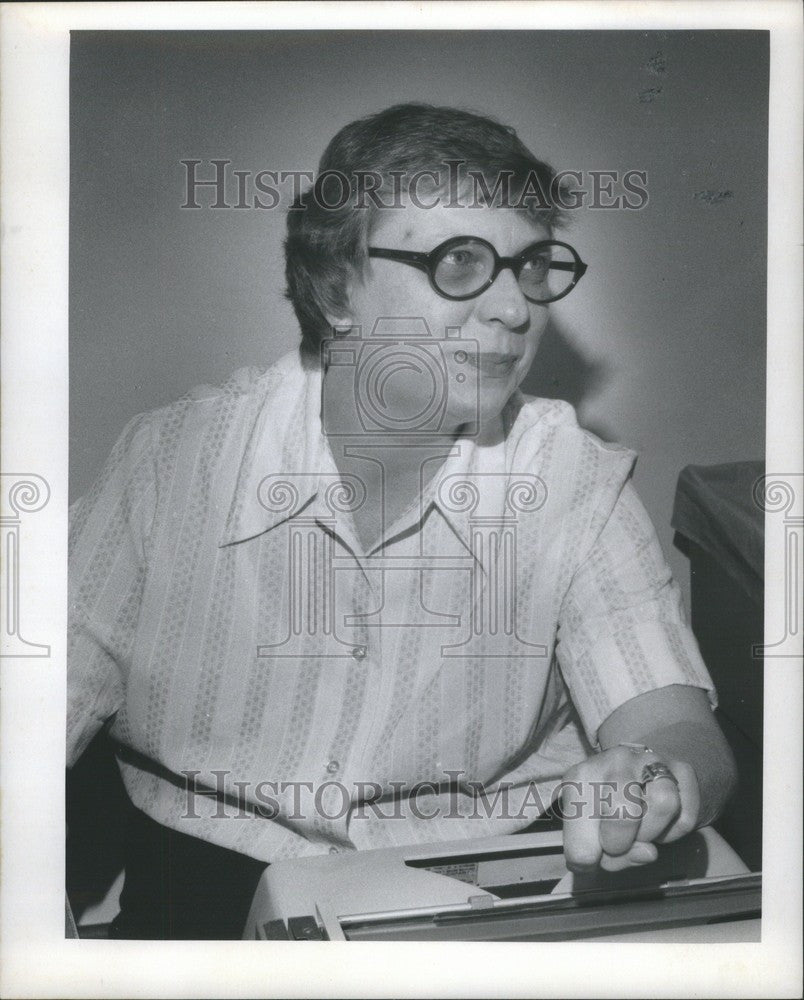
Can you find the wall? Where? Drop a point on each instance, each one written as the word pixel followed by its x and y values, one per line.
pixel 662 347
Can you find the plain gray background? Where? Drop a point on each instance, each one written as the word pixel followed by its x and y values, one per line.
pixel 661 347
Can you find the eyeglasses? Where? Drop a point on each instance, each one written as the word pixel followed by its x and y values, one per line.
pixel 465 266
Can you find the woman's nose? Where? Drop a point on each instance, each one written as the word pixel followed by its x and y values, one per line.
pixel 504 301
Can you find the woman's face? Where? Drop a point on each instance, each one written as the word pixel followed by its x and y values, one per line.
pixel 499 330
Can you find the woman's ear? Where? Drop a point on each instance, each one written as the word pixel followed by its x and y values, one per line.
pixel 342 320
pixel 340 325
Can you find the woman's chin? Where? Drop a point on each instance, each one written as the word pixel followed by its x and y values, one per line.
pixel 474 419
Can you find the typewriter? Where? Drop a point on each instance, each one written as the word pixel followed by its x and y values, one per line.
pixel 512 888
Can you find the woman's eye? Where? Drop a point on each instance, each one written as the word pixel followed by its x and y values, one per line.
pixel 460 258
pixel 537 265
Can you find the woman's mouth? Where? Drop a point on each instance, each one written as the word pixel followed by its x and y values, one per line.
pixel 493 364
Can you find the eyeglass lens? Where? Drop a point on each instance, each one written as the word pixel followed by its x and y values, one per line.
pixel 465 268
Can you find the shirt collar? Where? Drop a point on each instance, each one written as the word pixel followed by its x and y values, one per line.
pixel 285 453
pixel 287 468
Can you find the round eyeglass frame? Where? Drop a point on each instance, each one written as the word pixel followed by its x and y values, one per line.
pixel 429 261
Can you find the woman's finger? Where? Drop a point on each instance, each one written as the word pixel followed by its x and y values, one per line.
pixel 662 805
pixel 620 817
pixel 582 850
pixel 638 854
pixel 690 804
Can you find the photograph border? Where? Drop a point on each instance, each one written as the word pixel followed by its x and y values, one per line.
pixel 35 958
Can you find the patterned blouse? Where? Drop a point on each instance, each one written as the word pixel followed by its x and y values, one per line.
pixel 278 690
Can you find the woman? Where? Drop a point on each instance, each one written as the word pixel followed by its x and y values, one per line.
pixel 374 595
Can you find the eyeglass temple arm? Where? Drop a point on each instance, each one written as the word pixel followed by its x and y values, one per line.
pixel 421 260
pixel 567 265
pixel 578 268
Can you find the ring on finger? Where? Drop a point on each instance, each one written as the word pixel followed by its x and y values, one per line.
pixel 656 770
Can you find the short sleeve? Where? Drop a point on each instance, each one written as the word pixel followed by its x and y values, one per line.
pixel 622 627
pixel 108 553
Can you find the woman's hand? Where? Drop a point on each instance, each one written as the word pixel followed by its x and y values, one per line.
pixel 615 811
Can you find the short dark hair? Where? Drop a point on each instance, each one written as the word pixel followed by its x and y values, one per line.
pixel 327 237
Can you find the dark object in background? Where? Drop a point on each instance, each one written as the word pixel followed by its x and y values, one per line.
pixel 97 810
pixel 721 529
pixel 182 888
pixel 176 886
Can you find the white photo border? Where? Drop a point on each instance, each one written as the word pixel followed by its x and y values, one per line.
pixel 36 960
